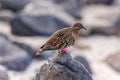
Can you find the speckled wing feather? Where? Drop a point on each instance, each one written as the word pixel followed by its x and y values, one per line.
pixel 60 39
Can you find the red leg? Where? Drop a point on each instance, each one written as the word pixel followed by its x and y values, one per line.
pixel 64 50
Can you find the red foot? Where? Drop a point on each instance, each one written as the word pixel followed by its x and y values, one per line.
pixel 64 50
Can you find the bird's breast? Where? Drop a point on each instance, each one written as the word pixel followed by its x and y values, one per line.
pixel 76 34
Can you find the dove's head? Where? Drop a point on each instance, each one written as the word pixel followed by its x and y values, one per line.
pixel 78 26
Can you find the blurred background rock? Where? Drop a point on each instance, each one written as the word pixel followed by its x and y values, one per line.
pixel 26 24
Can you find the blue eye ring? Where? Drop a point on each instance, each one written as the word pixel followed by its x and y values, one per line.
pixel 81 27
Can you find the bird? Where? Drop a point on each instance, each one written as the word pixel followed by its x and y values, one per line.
pixel 62 39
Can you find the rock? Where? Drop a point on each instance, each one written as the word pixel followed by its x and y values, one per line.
pixel 105 19
pixel 105 31
pixel 3 73
pixel 106 16
pixel 3 36
pixel 72 7
pixel 14 5
pixel 40 19
pixel 117 26
pixel 12 56
pixel 43 23
pixel 84 62
pixel 117 3
pixel 63 67
pixel 25 47
pixel 25 25
pixel 114 61
pixel 107 2
pixel 31 47
pixel 117 22
pixel 114 29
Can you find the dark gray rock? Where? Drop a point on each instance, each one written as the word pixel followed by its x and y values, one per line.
pixel 117 22
pixel 117 3
pixel 63 67
pixel 105 23
pixel 105 31
pixel 12 56
pixel 31 25
pixel 72 7
pixel 42 19
pixel 84 61
pixel 107 2
pixel 114 61
pixel 25 47
pixel 14 5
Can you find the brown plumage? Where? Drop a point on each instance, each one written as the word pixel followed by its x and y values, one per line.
pixel 62 38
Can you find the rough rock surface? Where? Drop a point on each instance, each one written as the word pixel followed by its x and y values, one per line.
pixel 63 67
pixel 12 56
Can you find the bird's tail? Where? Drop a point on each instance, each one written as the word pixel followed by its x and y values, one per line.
pixel 39 52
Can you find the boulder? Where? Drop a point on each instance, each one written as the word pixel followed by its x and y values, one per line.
pixel 104 22
pixel 12 56
pixel 72 7
pixel 25 47
pixel 117 25
pixel 39 19
pixel 105 31
pixel 63 67
pixel 14 5
pixel 30 25
pixel 40 25
pixel 107 2
pixel 117 3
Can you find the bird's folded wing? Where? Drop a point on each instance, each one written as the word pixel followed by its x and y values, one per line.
pixel 57 40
